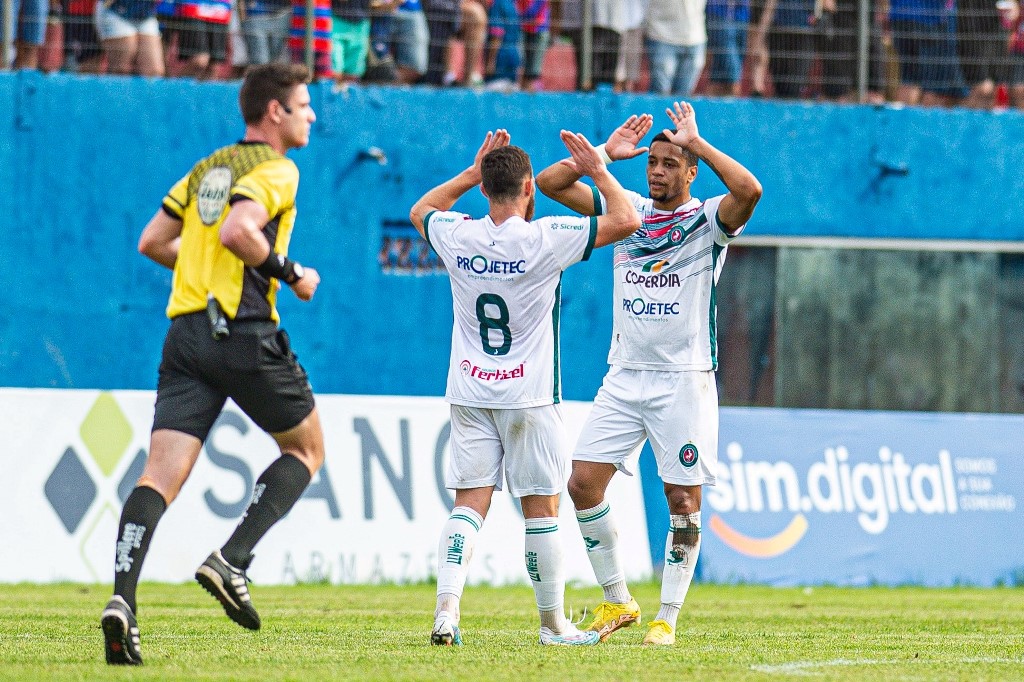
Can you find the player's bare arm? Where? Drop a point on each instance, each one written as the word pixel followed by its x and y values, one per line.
pixel 561 181
pixel 621 219
pixel 744 189
pixel 242 234
pixel 444 196
pixel 161 239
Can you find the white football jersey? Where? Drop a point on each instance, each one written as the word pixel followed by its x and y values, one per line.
pixel 665 277
pixel 506 295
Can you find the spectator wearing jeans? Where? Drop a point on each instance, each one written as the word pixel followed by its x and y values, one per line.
pixel 350 38
pixel 412 41
pixel 727 44
pixel 28 30
pixel 264 25
pixel 535 16
pixel 504 46
pixel 676 45
pixel 130 35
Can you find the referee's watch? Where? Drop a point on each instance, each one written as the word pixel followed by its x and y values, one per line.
pixel 298 272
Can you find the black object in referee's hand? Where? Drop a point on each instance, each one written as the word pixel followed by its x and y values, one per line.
pixel 218 322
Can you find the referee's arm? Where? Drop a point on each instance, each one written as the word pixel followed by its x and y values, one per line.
pixel 161 239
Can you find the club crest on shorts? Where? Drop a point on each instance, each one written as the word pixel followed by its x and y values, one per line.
pixel 688 455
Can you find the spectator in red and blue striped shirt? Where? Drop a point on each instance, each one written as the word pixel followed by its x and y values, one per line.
pixel 322 27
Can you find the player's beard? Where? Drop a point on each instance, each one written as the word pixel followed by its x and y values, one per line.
pixel 530 206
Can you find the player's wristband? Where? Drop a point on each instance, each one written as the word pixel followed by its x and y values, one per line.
pixel 281 268
pixel 603 153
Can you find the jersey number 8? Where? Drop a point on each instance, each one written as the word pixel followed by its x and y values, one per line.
pixel 487 323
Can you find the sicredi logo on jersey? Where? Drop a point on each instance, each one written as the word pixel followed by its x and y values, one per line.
pixel 481 266
pixel 495 374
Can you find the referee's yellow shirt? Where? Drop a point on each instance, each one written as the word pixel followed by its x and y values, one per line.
pixel 201 200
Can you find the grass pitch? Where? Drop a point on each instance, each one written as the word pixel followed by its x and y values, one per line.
pixel 322 632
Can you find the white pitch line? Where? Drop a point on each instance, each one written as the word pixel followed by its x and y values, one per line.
pixel 808 667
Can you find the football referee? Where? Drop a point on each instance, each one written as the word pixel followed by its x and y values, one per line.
pixel 224 230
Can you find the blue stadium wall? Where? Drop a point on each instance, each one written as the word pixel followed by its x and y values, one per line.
pixel 84 163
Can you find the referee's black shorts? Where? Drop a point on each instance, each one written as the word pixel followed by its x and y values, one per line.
pixel 254 366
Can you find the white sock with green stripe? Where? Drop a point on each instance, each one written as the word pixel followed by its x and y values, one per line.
pixel 602 539
pixel 544 565
pixel 453 554
pixel 681 550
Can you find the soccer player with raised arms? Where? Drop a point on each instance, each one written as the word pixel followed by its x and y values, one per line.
pixel 661 384
pixel 503 378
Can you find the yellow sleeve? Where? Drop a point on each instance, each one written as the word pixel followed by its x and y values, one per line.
pixel 272 183
pixel 177 197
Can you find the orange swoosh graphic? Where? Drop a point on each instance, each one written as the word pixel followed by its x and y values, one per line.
pixel 761 548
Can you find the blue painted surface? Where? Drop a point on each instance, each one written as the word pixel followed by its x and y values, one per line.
pixel 85 161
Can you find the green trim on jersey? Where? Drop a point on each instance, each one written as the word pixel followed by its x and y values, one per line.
pixel 591 239
pixel 597 201
pixel 426 230
pixel 556 316
pixel 716 251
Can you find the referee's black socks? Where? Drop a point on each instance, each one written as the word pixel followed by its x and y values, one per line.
pixel 276 491
pixel 142 510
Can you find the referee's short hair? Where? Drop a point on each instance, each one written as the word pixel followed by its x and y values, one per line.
pixel 691 158
pixel 503 171
pixel 268 82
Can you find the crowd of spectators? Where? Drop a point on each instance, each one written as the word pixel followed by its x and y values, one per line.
pixel 927 52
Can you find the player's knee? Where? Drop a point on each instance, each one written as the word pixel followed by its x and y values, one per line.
pixel 312 455
pixel 583 495
pixel 682 499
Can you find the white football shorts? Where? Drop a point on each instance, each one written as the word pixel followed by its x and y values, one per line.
pixel 527 445
pixel 676 411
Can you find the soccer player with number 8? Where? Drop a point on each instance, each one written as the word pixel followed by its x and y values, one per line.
pixel 503 379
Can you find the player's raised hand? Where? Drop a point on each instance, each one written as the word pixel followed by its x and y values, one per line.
pixel 493 140
pixel 585 159
pixel 685 120
pixel 624 140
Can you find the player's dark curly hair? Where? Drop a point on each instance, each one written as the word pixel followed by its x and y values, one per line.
pixel 267 82
pixel 503 171
pixel 691 158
